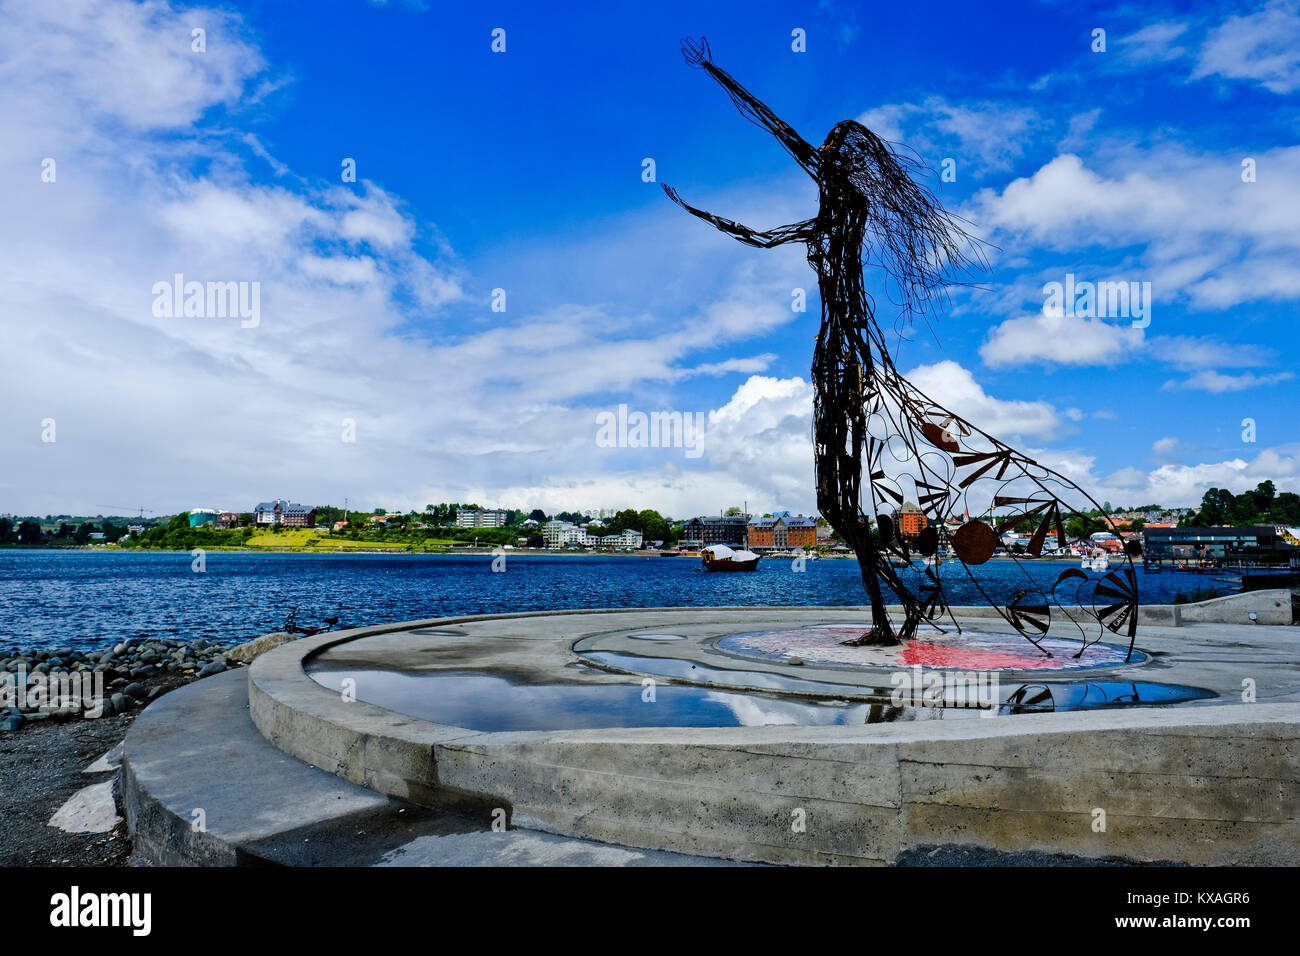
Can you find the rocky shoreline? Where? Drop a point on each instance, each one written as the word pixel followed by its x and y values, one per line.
pixel 47 746
pixel 64 684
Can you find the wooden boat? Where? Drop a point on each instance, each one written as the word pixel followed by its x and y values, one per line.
pixel 718 557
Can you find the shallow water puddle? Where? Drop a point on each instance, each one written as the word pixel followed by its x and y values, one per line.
pixel 485 702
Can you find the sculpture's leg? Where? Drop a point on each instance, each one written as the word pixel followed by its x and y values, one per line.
pixel 882 630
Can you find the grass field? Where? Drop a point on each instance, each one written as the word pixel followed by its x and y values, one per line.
pixel 314 539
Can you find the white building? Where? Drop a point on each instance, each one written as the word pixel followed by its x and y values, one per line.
pixel 627 540
pixel 565 534
pixel 480 519
pixel 553 533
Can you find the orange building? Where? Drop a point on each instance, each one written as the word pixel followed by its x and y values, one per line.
pixel 909 520
pixel 782 531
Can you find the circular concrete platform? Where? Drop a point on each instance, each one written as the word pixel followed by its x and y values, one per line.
pixel 1194 783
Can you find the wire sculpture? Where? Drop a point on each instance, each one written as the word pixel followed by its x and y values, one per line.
pixel 873 213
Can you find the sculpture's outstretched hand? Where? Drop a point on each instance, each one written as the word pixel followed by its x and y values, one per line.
pixel 696 53
pixel 698 56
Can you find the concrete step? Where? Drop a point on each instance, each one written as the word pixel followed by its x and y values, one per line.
pixel 202 787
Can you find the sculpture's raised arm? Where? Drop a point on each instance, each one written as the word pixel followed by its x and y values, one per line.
pixel 796 232
pixel 751 107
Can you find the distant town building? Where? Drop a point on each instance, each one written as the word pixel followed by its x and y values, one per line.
pixel 227 519
pixel 481 519
pixel 1023 539
pixel 565 534
pixel 715 529
pixel 953 523
pixel 1246 547
pixel 554 533
pixel 202 516
pixel 909 520
pixel 782 531
pixel 286 513
pixel 625 540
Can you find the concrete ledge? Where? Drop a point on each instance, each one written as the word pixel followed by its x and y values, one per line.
pixel 197 749
pixel 1272 606
pixel 1202 785
pixel 187 753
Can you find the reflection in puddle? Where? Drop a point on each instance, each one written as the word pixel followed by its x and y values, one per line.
pixel 1013 699
pixel 687 670
pixel 488 703
pixel 1094 695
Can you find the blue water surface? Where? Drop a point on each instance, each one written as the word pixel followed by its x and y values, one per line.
pixel 97 598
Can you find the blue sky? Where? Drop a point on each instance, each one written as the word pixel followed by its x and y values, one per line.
pixel 522 171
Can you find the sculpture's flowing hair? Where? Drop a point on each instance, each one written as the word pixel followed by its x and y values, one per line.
pixel 922 248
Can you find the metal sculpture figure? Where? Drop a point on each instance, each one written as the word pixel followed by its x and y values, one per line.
pixel 873 213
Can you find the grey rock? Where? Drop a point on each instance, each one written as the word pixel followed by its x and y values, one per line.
pixel 12 722
pixel 215 667
pixel 134 689
pixel 119 703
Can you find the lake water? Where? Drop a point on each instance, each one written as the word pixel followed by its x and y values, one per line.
pixel 97 598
